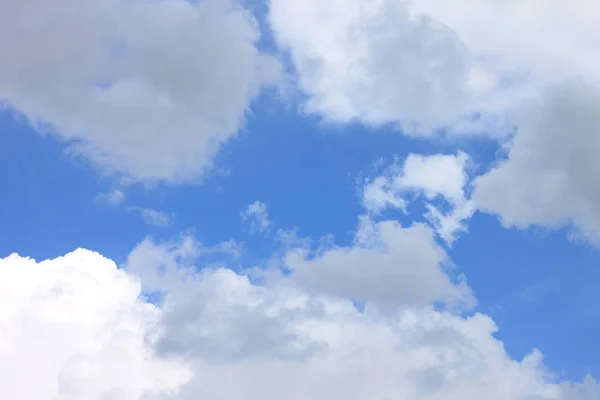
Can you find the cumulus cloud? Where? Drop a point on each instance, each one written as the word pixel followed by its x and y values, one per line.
pixel 76 327
pixel 145 89
pixel 374 62
pixel 435 177
pixel 276 341
pixel 549 177
pixel 256 215
pixel 427 64
pixel 388 265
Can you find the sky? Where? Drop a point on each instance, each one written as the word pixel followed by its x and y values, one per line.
pixel 265 199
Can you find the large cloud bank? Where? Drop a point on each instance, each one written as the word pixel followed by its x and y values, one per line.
pixel 77 327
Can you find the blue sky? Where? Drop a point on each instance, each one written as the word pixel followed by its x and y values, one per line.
pixel 306 143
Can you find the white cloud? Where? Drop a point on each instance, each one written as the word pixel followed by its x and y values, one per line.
pixel 586 390
pixel 436 175
pixel 448 225
pixel 439 176
pixel 547 39
pixel 542 75
pixel 374 62
pixel 151 216
pixel 429 62
pixel 434 63
pixel 156 218
pixel 113 198
pixel 378 195
pixel 149 89
pixel 543 43
pixel 129 81
pixel 74 327
pixel 550 175
pixel 388 265
pixel 163 266
pixel 257 217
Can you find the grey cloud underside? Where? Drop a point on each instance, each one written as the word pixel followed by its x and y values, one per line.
pixel 148 90
pixel 393 266
pixel 549 177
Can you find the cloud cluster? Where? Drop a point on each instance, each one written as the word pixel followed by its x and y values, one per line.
pixel 149 90
pixel 78 328
pixel 435 177
pixel 526 71
pixel 548 48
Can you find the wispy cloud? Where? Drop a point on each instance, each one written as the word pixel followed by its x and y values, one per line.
pixel 113 198
pixel 154 217
pixel 256 215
